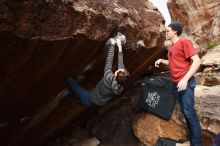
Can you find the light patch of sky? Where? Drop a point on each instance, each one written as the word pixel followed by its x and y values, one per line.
pixel 162 7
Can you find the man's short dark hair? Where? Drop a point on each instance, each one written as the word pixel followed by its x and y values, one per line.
pixel 177 27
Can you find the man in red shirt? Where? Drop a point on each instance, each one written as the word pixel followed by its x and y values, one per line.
pixel 183 62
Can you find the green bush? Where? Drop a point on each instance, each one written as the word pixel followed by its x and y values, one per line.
pixel 212 44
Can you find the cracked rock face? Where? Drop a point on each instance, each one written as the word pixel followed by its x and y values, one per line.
pixel 200 18
pixel 210 75
pixel 42 42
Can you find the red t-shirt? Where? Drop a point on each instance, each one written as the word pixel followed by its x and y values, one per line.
pixel 179 55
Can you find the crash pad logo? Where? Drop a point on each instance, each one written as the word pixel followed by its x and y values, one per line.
pixel 152 99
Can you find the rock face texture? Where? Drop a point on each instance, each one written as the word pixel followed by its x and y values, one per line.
pixel 210 75
pixel 121 120
pixel 212 58
pixel 149 128
pixel 200 18
pixel 42 42
pixel 208 107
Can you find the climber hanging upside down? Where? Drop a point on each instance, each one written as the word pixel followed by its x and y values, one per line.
pixel 111 84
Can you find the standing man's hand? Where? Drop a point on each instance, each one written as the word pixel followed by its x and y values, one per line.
pixel 157 63
pixel 182 85
pixel 163 61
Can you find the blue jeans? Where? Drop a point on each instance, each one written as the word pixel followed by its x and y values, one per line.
pixel 187 103
pixel 76 89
